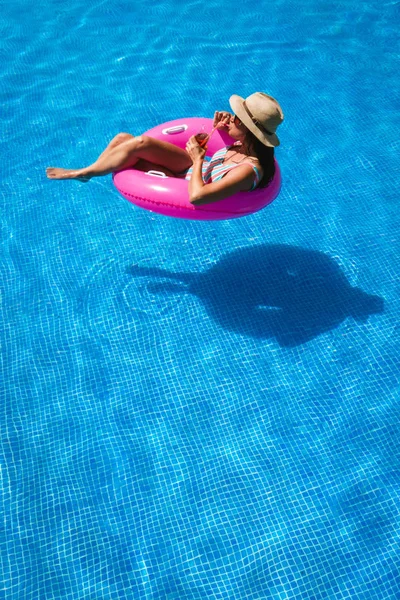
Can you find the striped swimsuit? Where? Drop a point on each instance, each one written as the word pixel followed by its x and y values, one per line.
pixel 213 168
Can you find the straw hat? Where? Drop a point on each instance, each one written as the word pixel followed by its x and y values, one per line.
pixel 261 114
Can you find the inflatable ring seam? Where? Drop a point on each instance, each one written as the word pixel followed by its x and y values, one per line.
pixel 175 206
pixel 158 202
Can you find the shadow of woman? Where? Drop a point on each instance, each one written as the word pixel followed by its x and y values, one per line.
pixel 272 291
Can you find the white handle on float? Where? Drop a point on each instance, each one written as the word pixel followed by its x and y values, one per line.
pixel 157 174
pixel 175 129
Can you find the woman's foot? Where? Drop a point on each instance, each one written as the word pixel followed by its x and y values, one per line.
pixel 56 173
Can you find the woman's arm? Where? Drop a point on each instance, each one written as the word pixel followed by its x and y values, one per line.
pixel 239 179
pixel 196 183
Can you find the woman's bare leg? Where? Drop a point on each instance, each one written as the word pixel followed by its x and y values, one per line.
pixel 56 173
pixel 124 154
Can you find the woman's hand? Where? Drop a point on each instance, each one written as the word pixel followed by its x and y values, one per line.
pixel 195 151
pixel 221 119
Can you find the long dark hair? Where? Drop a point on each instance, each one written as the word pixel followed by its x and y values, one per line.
pixel 264 154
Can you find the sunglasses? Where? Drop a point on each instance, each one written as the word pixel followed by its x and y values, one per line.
pixel 236 121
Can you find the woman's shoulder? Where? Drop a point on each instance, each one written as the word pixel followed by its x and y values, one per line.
pixel 245 158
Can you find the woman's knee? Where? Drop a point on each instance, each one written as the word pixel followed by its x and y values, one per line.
pixel 138 143
pixel 144 141
pixel 133 144
pixel 122 137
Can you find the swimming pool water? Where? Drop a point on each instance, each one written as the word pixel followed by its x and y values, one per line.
pixel 197 410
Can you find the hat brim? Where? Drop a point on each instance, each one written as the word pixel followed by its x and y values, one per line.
pixel 236 103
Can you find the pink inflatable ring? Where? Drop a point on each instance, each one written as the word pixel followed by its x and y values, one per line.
pixel 169 196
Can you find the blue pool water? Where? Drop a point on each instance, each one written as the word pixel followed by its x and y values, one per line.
pixel 200 410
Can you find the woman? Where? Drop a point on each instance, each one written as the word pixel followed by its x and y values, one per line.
pixel 246 165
